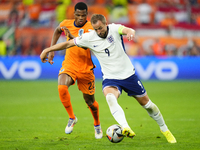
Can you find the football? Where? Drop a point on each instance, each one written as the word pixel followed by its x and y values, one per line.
pixel 114 133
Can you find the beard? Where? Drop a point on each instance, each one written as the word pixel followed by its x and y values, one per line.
pixel 103 35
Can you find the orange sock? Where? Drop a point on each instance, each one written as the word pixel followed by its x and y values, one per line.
pixel 94 108
pixel 65 99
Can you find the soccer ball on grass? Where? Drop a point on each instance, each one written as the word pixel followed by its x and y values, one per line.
pixel 114 133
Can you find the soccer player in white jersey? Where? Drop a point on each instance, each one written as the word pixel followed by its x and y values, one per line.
pixel 105 41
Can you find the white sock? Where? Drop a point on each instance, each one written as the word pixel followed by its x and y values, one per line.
pixel 116 110
pixel 154 112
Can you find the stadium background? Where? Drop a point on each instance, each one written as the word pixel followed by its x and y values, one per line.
pixel 167 46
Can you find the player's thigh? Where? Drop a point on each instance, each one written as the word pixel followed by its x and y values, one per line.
pixel 86 83
pixel 65 79
pixel 133 86
pixel 67 75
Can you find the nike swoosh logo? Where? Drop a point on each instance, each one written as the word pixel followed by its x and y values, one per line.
pixel 156 114
pixel 114 112
pixel 95 45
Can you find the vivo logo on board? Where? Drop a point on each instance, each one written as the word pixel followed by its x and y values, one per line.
pixel 159 69
pixel 32 69
pixel 28 70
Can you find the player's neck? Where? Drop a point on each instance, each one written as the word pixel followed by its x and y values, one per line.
pixel 78 25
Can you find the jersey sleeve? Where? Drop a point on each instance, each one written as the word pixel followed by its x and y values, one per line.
pixel 63 23
pixel 82 41
pixel 117 28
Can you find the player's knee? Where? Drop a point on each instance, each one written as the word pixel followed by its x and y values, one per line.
pixel 111 99
pixel 89 99
pixel 89 102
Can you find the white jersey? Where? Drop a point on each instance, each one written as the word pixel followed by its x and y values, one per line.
pixel 114 62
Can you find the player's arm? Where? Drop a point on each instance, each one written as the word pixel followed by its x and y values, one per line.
pixel 56 36
pixel 57 47
pixel 69 35
pixel 130 33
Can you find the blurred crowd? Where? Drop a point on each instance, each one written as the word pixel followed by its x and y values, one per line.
pixel 26 26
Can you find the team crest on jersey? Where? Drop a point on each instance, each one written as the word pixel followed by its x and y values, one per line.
pixel 61 70
pixel 110 39
pixel 80 32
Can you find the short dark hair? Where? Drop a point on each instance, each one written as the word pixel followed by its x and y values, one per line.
pixel 98 17
pixel 80 6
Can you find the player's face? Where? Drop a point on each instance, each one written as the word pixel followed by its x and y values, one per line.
pixel 101 29
pixel 80 17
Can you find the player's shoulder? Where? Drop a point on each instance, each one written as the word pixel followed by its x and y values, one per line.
pixel 114 25
pixel 89 34
pixel 88 25
pixel 114 28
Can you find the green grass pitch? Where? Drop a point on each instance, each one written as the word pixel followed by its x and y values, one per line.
pixel 32 117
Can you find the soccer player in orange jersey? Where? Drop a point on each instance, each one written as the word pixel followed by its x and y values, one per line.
pixel 77 66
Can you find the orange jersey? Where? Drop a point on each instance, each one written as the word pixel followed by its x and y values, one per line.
pixel 78 58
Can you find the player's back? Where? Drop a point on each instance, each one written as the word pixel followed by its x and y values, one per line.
pixel 78 58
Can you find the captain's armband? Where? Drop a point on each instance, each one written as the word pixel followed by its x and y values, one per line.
pixel 120 29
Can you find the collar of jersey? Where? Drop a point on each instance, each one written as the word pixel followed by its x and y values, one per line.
pixel 79 26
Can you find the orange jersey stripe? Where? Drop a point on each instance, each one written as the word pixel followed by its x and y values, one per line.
pixel 78 58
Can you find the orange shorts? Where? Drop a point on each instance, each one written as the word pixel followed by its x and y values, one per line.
pixel 85 81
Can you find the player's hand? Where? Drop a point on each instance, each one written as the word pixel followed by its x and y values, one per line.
pixel 67 32
pixel 43 56
pixel 130 36
pixel 50 58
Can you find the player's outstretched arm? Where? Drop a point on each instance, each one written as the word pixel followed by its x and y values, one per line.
pixel 130 33
pixel 57 47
